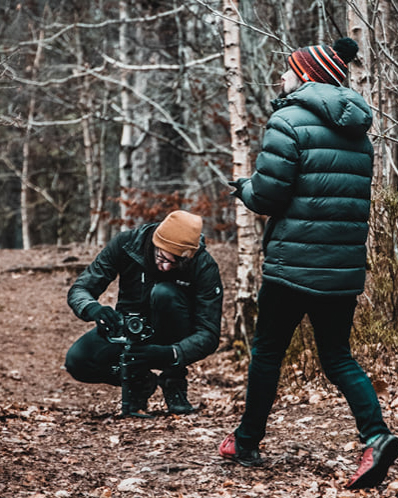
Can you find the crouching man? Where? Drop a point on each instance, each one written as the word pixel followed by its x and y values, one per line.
pixel 167 277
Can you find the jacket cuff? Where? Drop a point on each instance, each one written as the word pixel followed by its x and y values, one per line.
pixel 90 310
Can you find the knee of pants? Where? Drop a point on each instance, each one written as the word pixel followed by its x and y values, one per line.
pixel 266 353
pixel 166 295
pixel 76 365
pixel 72 364
pixel 336 368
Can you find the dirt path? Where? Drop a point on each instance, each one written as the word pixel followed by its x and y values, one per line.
pixel 64 439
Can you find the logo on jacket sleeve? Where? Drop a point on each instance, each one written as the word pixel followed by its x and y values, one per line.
pixel 183 283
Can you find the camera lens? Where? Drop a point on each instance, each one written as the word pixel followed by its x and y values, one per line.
pixel 134 325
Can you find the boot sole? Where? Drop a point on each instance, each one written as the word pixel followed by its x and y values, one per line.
pixel 137 415
pixel 245 463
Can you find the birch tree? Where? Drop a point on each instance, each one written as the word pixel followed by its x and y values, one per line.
pixel 375 76
pixel 248 247
pixel 126 141
pixel 26 150
pixel 93 141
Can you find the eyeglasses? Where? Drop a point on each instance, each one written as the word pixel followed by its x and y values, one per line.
pixel 161 258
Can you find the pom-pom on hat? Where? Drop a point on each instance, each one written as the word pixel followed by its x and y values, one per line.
pixel 323 63
pixel 179 234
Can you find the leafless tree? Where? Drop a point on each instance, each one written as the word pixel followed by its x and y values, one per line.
pixel 248 239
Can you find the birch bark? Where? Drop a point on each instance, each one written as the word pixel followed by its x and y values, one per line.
pixel 126 142
pixel 26 241
pixel 248 246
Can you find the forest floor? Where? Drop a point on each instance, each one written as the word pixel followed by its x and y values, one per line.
pixel 64 439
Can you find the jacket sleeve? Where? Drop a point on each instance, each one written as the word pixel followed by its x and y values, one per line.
pixel 207 314
pixel 269 189
pixel 94 280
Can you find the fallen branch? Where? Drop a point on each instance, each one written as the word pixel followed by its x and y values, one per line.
pixel 74 267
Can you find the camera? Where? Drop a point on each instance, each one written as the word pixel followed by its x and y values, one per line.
pixel 133 329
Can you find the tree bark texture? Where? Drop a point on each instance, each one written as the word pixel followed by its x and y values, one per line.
pixel 248 247
pixel 26 152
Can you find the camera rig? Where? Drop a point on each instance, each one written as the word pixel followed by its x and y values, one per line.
pixel 134 330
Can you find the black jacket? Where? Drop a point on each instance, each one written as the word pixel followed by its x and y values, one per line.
pixel 124 257
pixel 313 177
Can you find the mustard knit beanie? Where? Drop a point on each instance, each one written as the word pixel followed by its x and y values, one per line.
pixel 179 234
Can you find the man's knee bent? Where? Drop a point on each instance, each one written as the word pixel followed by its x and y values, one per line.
pixel 75 364
pixel 72 365
pixel 166 295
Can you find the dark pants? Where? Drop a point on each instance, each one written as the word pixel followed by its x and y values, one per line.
pixel 281 309
pixel 93 359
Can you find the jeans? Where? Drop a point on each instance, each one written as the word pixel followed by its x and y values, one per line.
pixel 281 309
pixel 95 360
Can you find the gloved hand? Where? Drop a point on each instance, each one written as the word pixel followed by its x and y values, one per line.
pixel 238 185
pixel 107 319
pixel 153 356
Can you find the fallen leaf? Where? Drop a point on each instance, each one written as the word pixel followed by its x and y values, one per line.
pixel 114 440
pixel 393 486
pixel 352 445
pixel 314 399
pixel 131 484
pixel 394 403
pixel 102 492
pixel 62 493
pixel 15 375
pixel 228 484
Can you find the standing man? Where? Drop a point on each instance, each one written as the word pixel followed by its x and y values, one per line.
pixel 313 178
pixel 168 277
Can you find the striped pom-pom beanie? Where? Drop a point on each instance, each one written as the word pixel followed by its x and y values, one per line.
pixel 323 63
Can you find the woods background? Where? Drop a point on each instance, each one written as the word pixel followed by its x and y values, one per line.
pixel 115 112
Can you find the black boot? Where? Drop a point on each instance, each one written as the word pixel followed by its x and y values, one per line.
pixel 140 389
pixel 175 394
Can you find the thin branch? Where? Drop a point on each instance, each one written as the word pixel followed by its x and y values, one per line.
pixel 60 122
pixel 104 24
pixel 176 126
pixel 243 23
pixel 224 180
pixel 371 27
pixel 60 81
pixel 161 67
pixel 30 185
pixel 199 152
pixel 383 137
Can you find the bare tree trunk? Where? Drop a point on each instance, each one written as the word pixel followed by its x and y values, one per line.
pixel 375 77
pixel 93 154
pixel 360 69
pixel 385 37
pixel 157 165
pixel 248 247
pixel 95 176
pixel 26 242
pixel 126 142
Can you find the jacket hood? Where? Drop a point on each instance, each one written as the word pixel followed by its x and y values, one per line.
pixel 339 107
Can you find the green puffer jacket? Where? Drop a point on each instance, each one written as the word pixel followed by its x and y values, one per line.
pixel 313 177
pixel 124 256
